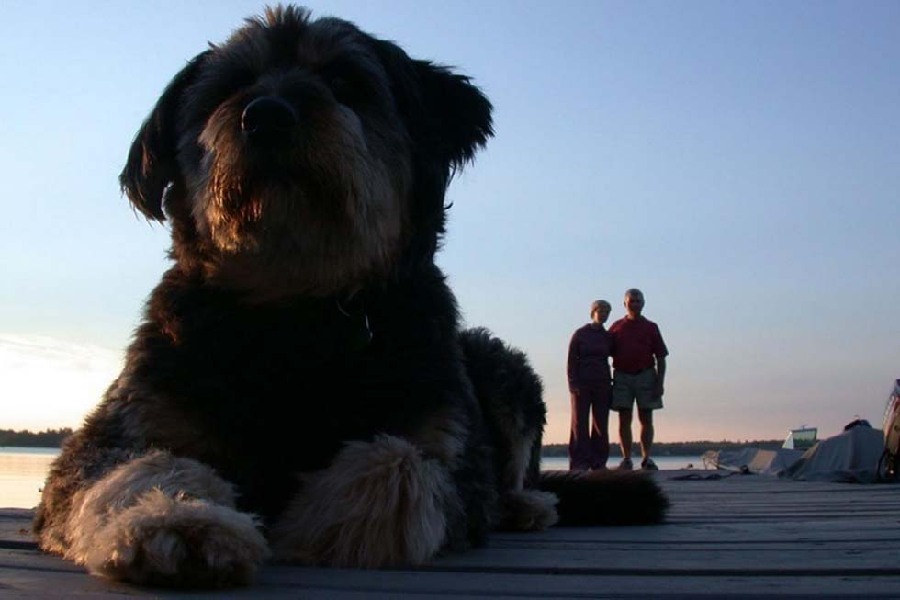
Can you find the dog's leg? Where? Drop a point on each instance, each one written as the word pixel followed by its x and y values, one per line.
pixel 511 397
pixel 378 504
pixel 521 508
pixel 163 520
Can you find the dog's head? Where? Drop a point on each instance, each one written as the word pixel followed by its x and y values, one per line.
pixel 304 156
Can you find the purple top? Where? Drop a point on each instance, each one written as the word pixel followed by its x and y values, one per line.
pixel 589 352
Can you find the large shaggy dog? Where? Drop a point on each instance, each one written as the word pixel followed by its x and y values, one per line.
pixel 299 388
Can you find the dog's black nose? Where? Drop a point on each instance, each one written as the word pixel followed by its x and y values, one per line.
pixel 268 117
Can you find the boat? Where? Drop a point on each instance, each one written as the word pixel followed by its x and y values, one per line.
pixel 750 459
pixel 801 438
pixel 889 463
pixel 850 456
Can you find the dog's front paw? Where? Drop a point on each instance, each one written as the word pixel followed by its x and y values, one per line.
pixel 177 542
pixel 527 510
pixel 378 504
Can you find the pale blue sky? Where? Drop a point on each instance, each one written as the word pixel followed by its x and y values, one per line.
pixel 738 161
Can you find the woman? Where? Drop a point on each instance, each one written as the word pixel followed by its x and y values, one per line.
pixel 590 391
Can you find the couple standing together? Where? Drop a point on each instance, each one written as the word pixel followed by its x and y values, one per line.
pixel 639 363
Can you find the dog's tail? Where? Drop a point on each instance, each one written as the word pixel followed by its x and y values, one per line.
pixel 605 497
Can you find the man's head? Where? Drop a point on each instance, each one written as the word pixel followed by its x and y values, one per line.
pixel 634 302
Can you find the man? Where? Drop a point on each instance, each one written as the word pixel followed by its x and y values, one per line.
pixel 639 363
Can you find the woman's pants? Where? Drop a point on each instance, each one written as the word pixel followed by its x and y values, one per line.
pixel 589 433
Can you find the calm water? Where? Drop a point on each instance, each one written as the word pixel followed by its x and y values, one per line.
pixel 22 474
pixel 23 470
pixel 666 463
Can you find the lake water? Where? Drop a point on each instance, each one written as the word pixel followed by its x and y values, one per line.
pixel 23 470
pixel 665 463
pixel 22 474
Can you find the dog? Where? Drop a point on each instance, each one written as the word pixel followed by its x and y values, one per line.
pixel 299 388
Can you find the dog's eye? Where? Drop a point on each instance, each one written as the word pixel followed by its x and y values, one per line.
pixel 342 88
pixel 350 84
pixel 346 91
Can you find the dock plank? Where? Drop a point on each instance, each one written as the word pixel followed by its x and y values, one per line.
pixel 734 537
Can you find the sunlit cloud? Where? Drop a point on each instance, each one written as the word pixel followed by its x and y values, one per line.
pixel 50 383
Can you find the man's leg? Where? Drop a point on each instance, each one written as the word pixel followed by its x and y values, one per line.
pixel 625 432
pixel 623 396
pixel 646 419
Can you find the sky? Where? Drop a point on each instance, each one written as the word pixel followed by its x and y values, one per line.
pixel 737 161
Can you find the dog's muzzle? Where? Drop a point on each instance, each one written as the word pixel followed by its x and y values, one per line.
pixel 268 118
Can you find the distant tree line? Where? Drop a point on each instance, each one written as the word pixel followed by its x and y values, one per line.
pixel 49 438
pixel 671 448
pixel 53 438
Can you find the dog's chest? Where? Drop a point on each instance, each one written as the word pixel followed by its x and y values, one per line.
pixel 307 369
pixel 276 354
pixel 334 364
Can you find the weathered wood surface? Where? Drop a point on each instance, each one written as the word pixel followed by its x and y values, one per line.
pixel 744 536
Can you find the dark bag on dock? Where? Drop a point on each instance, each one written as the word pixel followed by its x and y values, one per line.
pixel 889 465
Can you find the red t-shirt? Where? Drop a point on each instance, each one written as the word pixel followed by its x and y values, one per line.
pixel 637 343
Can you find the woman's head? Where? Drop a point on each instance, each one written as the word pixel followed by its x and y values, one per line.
pixel 600 310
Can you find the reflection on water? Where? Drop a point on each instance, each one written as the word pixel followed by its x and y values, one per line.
pixel 23 470
pixel 22 474
pixel 665 463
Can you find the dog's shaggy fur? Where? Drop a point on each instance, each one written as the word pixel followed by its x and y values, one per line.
pixel 299 388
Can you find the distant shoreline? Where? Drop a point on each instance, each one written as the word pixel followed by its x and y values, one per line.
pixel 53 438
pixel 695 448
pixel 49 438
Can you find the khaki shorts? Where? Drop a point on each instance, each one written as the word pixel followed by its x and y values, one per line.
pixel 631 387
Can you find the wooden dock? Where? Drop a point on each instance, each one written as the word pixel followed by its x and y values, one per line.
pixel 740 536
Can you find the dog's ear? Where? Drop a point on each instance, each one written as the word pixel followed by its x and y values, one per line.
pixel 459 114
pixel 152 164
pixel 447 115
